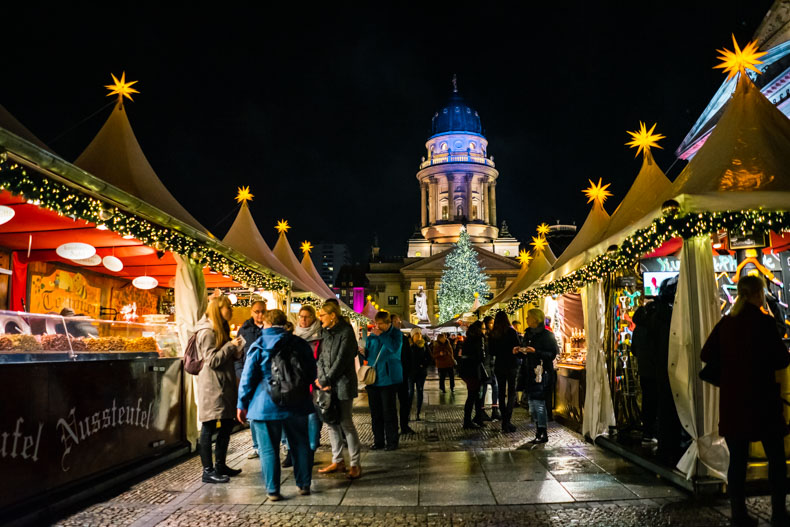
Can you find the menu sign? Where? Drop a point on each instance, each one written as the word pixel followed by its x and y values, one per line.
pixel 50 294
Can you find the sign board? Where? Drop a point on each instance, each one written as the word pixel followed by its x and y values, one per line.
pixel 50 294
pixel 750 240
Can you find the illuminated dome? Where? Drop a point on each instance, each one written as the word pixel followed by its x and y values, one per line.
pixel 456 116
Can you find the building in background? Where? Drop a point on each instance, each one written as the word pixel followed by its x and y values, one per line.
pixel 329 258
pixel 351 285
pixel 457 183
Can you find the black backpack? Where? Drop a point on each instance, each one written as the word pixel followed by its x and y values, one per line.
pixel 289 384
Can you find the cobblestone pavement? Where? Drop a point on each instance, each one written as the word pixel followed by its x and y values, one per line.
pixel 442 476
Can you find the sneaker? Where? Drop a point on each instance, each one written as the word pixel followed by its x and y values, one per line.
pixel 252 455
pixel 275 496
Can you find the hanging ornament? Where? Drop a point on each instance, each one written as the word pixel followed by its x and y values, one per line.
pixel 6 213
pixel 112 263
pixel 75 251
pixel 90 261
pixel 145 282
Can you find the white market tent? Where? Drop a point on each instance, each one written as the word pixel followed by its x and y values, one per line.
pixel 539 265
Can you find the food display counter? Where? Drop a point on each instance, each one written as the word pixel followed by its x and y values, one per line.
pixel 571 380
pixel 82 398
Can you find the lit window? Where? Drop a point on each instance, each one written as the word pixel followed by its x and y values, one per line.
pixel 444 212
pixel 418 253
pixel 331 268
pixel 472 145
pixel 507 253
pixel 444 146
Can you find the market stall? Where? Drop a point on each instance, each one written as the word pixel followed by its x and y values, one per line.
pixel 98 271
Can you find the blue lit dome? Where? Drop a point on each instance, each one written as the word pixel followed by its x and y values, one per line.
pixel 456 116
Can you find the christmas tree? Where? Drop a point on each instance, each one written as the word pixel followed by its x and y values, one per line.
pixel 461 279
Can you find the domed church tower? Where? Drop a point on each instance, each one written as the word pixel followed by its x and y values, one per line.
pixel 458 184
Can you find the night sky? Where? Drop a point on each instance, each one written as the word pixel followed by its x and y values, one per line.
pixel 325 114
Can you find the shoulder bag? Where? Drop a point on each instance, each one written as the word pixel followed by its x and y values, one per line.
pixel 367 374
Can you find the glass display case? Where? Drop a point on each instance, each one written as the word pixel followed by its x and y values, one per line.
pixel 31 337
pixel 574 353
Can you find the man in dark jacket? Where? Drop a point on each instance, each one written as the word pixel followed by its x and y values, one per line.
pixel 644 349
pixel 403 391
pixel 541 349
pixel 250 331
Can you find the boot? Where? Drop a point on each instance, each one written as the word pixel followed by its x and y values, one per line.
pixel 540 436
pixel 483 416
pixel 479 421
pixel 224 470
pixel 495 414
pixel 288 461
pixel 470 425
pixel 210 476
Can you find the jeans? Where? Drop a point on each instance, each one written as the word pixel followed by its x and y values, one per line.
pixel 507 393
pixel 443 374
pixel 346 426
pixel 383 414
pixel 314 425
pixel 417 384
pixel 736 473
pixel 537 409
pixel 268 434
pixel 223 440
pixel 404 403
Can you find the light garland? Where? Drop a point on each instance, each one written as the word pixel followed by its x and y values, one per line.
pixel 647 240
pixel 66 201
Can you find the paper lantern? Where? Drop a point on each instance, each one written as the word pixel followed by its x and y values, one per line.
pixel 75 251
pixel 91 261
pixel 112 263
pixel 6 213
pixel 145 282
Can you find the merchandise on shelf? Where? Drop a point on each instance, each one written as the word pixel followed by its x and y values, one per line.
pixel 574 353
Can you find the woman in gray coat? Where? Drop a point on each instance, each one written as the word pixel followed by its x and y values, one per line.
pixel 216 387
pixel 336 373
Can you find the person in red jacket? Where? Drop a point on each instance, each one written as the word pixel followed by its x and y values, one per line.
pixel 748 349
pixel 445 362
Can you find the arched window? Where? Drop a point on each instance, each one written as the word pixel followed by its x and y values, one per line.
pixel 444 212
pixel 472 145
pixel 459 211
pixel 474 212
pixel 444 147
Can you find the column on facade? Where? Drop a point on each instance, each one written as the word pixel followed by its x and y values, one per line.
pixel 437 196
pixel 423 205
pixel 469 178
pixel 450 196
pixel 484 200
pixel 492 202
pixel 431 201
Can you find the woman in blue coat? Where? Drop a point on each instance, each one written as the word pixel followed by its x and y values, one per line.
pixel 382 353
pixel 268 420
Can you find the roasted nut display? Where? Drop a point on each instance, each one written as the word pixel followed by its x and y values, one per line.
pixel 24 343
pixel 55 343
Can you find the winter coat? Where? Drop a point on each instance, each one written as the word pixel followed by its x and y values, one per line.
pixel 217 379
pixel 253 390
pixel 501 347
pixel 443 354
pixel 642 345
pixel 388 367
pixel 250 331
pixel 336 366
pixel 750 351
pixel 545 351
pixel 405 356
pixel 471 358
pixel 420 360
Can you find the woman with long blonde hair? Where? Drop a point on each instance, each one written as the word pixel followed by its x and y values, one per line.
pixel 747 348
pixel 217 386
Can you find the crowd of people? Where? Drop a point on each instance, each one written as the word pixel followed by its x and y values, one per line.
pixel 273 374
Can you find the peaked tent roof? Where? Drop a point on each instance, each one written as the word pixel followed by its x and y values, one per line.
pixel 10 123
pixel 528 274
pixel 589 235
pixel 369 311
pixel 282 250
pixel 745 163
pixel 245 237
pixel 115 156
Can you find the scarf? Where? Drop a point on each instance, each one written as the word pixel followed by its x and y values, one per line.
pixel 311 333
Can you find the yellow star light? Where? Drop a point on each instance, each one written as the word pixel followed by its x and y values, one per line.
pixel 524 257
pixel 597 192
pixel 736 61
pixel 306 247
pixel 244 195
pixel 644 139
pixel 543 229
pixel 539 243
pixel 121 87
pixel 282 226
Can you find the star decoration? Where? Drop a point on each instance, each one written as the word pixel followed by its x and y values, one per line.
pixel 644 139
pixel 306 247
pixel 538 243
pixel 597 192
pixel 524 257
pixel 244 195
pixel 282 226
pixel 121 87
pixel 733 62
pixel 543 229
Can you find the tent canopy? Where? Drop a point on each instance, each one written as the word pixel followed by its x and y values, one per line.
pixel 526 277
pixel 115 156
pixel 10 123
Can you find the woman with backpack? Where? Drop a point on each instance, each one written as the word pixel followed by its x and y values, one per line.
pixel 216 386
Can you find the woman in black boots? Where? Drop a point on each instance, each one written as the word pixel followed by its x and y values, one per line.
pixel 503 344
pixel 470 364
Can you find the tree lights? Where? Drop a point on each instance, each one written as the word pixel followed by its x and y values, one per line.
pixel 461 280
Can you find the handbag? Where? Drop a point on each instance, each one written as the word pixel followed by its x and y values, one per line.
pixel 711 372
pixel 367 374
pixel 326 406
